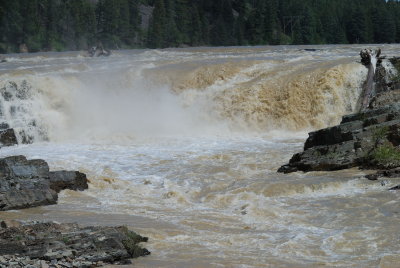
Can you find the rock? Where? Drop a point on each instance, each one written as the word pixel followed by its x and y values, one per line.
pixel 7 137
pixel 355 142
pixel 73 180
pixel 70 245
pixel 372 177
pixel 381 79
pixel 390 173
pixel 395 188
pixel 29 183
pixel 9 224
pixel 389 261
pixel 4 126
pixel 43 264
pixel 383 98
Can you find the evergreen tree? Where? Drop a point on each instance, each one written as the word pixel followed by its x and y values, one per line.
pixel 183 16
pixel 357 26
pixel 12 26
pixel 195 34
pixel 78 24
pixel 157 31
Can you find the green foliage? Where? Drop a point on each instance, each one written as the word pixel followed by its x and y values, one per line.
pixel 385 155
pixel 78 24
pixel 380 134
pixel 65 239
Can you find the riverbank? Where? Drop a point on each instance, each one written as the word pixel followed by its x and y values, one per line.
pixel 368 139
pixel 29 183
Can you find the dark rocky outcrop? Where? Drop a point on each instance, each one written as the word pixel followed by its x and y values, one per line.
pixel 395 188
pixel 29 183
pixel 352 143
pixel 7 137
pixel 73 180
pixel 390 173
pixel 368 139
pixel 67 245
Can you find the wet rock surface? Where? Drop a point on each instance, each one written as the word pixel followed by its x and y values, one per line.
pixel 352 143
pixel 7 137
pixel 389 173
pixel 29 183
pixel 67 245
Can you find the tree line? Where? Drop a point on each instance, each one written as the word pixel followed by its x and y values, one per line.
pixel 56 25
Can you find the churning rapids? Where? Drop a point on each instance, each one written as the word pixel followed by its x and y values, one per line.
pixel 183 145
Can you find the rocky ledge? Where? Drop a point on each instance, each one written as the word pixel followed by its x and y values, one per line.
pixel 48 245
pixel 29 183
pixel 367 139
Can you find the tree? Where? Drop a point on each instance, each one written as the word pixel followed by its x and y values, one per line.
pixel 357 26
pixel 156 36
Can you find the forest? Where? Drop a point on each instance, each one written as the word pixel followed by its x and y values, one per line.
pixel 58 25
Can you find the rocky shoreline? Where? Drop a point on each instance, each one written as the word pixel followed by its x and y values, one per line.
pixel 53 244
pixel 29 183
pixel 368 139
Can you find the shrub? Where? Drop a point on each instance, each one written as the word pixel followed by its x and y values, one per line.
pixel 386 156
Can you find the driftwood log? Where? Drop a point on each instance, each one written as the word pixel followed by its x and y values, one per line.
pixel 98 51
pixel 369 59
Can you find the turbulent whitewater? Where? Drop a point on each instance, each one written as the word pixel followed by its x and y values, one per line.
pixel 183 146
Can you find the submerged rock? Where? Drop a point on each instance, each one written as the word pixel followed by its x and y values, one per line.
pixel 395 188
pixel 68 245
pixel 29 183
pixel 390 173
pixel 7 137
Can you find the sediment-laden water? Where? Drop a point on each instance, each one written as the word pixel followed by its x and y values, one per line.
pixel 183 146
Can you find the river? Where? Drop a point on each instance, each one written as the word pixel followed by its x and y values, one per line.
pixel 182 145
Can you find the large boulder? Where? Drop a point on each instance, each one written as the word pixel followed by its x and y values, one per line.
pixel 367 138
pixel 29 183
pixel 68 245
pixel 73 180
